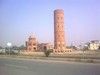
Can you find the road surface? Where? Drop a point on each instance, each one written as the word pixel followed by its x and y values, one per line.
pixel 16 66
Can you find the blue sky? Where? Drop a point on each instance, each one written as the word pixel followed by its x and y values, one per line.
pixel 22 18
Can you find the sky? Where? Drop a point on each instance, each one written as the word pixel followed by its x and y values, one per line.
pixel 21 18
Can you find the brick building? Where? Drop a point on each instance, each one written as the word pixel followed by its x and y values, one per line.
pixel 31 44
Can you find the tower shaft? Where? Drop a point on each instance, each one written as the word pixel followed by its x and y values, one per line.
pixel 59 34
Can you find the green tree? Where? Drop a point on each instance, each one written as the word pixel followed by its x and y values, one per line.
pixel 1 47
pixel 22 47
pixel 47 52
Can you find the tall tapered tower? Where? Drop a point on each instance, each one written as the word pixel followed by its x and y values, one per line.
pixel 59 34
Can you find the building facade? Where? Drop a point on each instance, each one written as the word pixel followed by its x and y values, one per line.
pixel 59 34
pixel 44 46
pixel 94 45
pixel 31 44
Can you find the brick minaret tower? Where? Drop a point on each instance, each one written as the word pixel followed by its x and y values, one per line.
pixel 59 35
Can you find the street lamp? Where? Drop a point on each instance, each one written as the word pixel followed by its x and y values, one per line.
pixel 9 45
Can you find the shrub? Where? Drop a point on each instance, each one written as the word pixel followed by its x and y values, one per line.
pixel 47 52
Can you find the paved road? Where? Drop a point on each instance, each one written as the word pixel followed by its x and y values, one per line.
pixel 10 66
